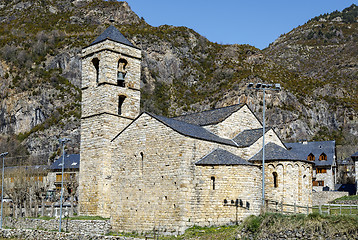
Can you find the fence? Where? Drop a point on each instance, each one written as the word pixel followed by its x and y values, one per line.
pixel 52 210
pixel 329 209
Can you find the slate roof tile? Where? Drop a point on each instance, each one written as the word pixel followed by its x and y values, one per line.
pixel 275 152
pixel 72 161
pixel 192 130
pixel 303 149
pixel 248 137
pixel 222 157
pixel 210 117
pixel 113 34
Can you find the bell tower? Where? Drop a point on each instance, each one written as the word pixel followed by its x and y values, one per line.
pixel 110 101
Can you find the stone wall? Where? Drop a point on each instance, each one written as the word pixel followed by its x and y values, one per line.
pixel 156 185
pixel 77 226
pixel 218 188
pixel 293 182
pixel 101 119
pixel 30 234
pixel 241 120
pixel 323 197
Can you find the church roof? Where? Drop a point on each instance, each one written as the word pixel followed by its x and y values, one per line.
pixel 222 157
pixel 211 116
pixel 275 152
pixel 248 137
pixel 113 34
pixel 192 130
pixel 303 149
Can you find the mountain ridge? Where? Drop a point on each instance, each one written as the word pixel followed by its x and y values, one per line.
pixel 182 72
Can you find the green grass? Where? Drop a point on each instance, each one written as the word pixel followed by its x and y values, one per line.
pixel 207 233
pixel 263 225
pixel 274 223
pixel 346 198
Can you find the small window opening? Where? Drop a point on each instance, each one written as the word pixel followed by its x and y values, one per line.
pixel 323 157
pixel 120 103
pixel 121 72
pixel 225 201
pixel 321 170
pixel 95 62
pixel 213 182
pixel 310 157
pixel 142 160
pixel 275 183
pixel 318 183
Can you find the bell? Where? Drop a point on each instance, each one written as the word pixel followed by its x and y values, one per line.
pixel 120 79
pixel 120 76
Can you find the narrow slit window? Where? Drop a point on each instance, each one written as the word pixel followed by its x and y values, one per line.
pixel 142 160
pixel 275 180
pixel 95 62
pixel 120 103
pixel 213 182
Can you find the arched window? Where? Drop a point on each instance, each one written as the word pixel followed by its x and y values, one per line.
pixel 311 157
pixel 275 179
pixel 95 62
pixel 323 157
pixel 120 103
pixel 121 72
pixel 213 182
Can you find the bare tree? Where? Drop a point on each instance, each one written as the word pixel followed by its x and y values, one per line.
pixel 25 185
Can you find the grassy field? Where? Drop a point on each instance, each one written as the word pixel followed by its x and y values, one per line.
pixel 353 198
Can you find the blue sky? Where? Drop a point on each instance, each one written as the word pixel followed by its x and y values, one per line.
pixel 253 22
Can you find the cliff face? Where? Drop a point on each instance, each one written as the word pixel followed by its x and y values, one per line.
pixel 325 50
pixel 181 72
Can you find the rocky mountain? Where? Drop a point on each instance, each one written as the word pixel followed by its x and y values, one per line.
pixel 41 41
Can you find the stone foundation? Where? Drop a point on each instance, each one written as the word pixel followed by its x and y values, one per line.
pixel 76 226
pixel 30 234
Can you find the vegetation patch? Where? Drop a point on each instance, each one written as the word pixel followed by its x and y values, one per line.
pixel 346 198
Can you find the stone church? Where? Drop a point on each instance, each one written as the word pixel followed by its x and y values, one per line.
pixel 146 171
